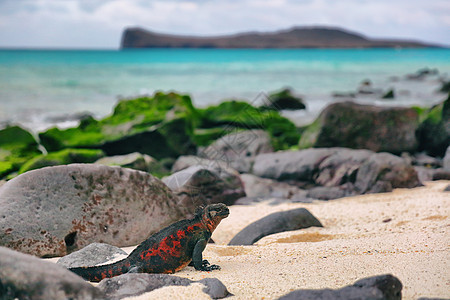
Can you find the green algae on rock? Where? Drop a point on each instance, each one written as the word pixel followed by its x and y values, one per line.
pixel 16 147
pixel 357 126
pixel 160 126
pixel 234 116
pixel 63 157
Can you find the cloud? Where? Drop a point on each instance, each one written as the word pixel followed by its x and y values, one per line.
pixel 87 23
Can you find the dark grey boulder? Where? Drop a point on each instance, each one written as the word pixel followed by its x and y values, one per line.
pixel 382 287
pixel 352 171
pixel 284 100
pixel 56 210
pixel 91 255
pixel 389 94
pixel 290 165
pixel 447 188
pixel 433 133
pixel 129 285
pixel 277 222
pixel 27 277
pixel 382 172
pixel 356 126
pixel 199 185
pixel 268 188
pixel 237 150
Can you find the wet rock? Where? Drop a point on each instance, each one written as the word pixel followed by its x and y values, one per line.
pixel 366 87
pixel 284 99
pixel 389 95
pixel 129 285
pixel 202 185
pixel 445 87
pixel 91 255
pixel 137 161
pixel 238 150
pixel 382 172
pixel 352 125
pixel 75 205
pixel 267 188
pixel 26 277
pixel 277 222
pixel 421 74
pixel 344 95
pixel 383 287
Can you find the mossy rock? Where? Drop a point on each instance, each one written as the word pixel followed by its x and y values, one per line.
pixel 160 126
pixel 433 133
pixel 16 147
pixel 352 125
pixel 234 115
pixel 205 136
pixel 63 157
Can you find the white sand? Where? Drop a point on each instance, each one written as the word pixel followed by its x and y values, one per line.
pixel 404 233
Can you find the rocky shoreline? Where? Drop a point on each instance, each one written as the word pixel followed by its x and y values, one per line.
pixel 155 159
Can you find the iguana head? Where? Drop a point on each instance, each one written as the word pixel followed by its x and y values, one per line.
pixel 213 214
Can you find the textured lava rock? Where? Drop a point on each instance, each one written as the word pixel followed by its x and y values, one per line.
pixel 56 210
pixel 238 150
pixel 202 185
pixel 352 125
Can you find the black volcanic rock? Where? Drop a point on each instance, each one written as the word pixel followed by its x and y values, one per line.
pixel 296 37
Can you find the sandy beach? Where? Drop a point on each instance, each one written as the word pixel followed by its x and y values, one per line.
pixel 404 233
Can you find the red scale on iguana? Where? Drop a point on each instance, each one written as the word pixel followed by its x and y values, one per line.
pixel 167 251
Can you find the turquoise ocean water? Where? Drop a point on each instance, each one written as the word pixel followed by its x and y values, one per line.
pixel 40 88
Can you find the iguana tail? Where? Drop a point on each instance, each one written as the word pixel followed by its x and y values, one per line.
pixel 96 274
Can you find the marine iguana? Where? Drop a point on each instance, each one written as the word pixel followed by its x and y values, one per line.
pixel 168 250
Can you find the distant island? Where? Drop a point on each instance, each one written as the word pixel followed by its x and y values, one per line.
pixel 296 37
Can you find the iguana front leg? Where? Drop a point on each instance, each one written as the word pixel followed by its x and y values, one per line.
pixel 197 258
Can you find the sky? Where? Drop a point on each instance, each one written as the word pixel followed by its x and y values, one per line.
pixel 100 23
